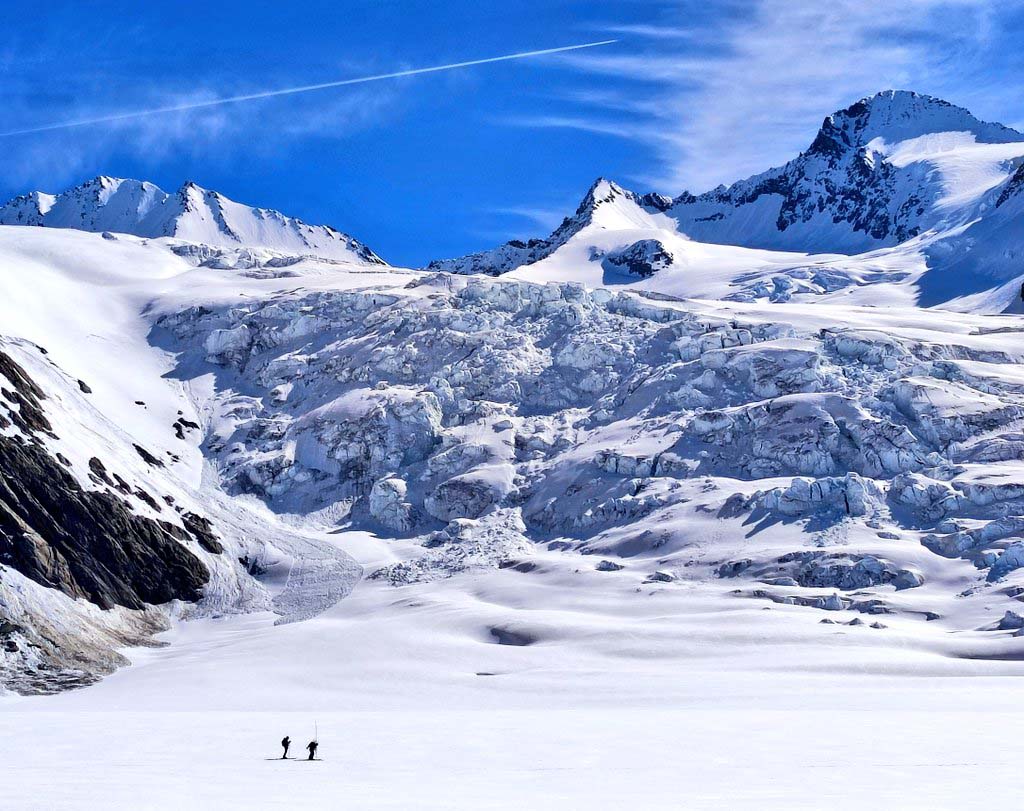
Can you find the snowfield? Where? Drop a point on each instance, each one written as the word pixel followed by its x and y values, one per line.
pixel 714 704
pixel 613 519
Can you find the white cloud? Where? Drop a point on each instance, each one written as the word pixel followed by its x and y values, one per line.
pixel 60 157
pixel 752 92
pixel 652 31
pixel 606 126
pixel 546 218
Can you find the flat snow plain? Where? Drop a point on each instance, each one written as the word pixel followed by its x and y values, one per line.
pixel 687 701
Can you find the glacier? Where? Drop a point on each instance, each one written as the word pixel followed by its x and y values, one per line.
pixel 662 471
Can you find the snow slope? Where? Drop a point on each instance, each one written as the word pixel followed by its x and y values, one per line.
pixel 669 607
pixel 404 721
pixel 191 214
pixel 72 302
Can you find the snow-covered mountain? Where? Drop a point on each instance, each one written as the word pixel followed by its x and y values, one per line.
pixel 899 189
pixel 878 173
pixel 191 214
pixel 616 454
pixel 605 205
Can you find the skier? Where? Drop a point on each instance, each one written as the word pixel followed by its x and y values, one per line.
pixel 311 746
pixel 285 742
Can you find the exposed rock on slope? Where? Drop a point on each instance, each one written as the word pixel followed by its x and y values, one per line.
pixel 643 258
pixel 603 193
pixel 87 544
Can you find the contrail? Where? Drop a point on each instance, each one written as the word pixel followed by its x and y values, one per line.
pixel 288 91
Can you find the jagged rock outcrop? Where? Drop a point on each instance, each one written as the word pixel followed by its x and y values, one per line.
pixel 88 544
pixel 643 258
pixel 841 194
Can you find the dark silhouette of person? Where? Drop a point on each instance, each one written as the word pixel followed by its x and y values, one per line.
pixel 285 742
pixel 311 746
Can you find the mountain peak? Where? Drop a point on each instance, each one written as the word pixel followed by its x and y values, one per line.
pixel 603 189
pixel 27 209
pixel 879 172
pixel 899 115
pixel 853 190
pixel 606 205
pixel 192 214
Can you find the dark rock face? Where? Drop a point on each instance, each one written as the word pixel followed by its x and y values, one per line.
pixel 99 472
pixel 643 258
pixel 1014 187
pixel 834 177
pixel 147 457
pixel 1011 621
pixel 181 425
pixel 202 530
pixel 28 416
pixel 508 636
pixel 85 543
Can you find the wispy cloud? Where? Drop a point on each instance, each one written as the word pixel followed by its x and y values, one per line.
pixel 64 156
pixel 600 126
pixel 651 31
pixel 75 127
pixel 260 95
pixel 750 90
pixel 545 218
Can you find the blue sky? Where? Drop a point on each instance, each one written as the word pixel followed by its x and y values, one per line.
pixel 694 94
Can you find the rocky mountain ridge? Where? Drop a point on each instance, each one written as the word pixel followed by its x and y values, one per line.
pixel 880 174
pixel 191 214
pixel 842 194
